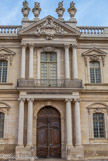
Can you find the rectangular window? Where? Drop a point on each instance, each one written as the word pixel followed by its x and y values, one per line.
pixel 3 71
pixel 48 68
pixel 98 124
pixel 1 125
pixel 95 74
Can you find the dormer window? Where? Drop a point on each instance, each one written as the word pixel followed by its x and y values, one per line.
pixel 3 71
pixel 95 74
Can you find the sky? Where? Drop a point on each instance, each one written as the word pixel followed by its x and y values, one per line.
pixel 89 12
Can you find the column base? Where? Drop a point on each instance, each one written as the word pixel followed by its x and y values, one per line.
pixel 25 153
pixel 75 153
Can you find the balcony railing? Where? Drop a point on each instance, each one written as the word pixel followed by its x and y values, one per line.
pixel 9 30
pixel 50 83
pixel 87 30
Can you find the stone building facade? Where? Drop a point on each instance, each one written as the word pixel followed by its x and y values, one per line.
pixel 53 88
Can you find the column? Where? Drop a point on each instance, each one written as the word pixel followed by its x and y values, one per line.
pixel 23 61
pixel 31 61
pixel 67 66
pixel 21 122
pixel 75 65
pixel 30 122
pixel 77 123
pixel 68 123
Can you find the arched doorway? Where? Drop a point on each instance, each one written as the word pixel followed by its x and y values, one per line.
pixel 48 133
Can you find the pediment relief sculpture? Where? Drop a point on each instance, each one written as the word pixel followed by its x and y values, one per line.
pixel 6 54
pixel 49 28
pixel 94 55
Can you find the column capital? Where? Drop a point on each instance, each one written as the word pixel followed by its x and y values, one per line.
pixel 30 99
pixel 76 100
pixel 74 45
pixel 24 45
pixel 66 46
pixel 31 45
pixel 68 100
pixel 21 99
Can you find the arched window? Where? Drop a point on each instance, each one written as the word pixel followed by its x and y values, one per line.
pixel 1 124
pixel 98 125
pixel 95 74
pixel 3 71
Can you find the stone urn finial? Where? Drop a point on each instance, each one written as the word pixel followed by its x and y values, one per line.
pixel 36 10
pixel 72 10
pixel 60 10
pixel 25 10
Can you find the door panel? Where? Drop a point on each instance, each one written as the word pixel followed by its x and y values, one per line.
pixel 42 139
pixel 48 133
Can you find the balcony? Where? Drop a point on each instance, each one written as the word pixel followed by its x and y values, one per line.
pixel 49 83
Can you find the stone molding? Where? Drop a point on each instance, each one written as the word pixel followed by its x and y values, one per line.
pixel 48 49
pixel 6 54
pixel 97 108
pixel 98 55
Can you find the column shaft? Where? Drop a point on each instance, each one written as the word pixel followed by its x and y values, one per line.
pixel 23 61
pixel 30 122
pixel 75 66
pixel 67 66
pixel 31 62
pixel 21 123
pixel 68 123
pixel 77 124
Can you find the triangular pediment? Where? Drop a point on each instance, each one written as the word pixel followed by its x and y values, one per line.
pixel 94 52
pixel 6 51
pixel 50 27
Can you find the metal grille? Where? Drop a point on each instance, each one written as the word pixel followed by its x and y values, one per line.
pixel 1 124
pixel 59 83
pixel 98 123
pixel 95 74
pixel 3 71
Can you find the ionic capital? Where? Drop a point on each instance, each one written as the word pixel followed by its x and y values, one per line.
pixel 66 46
pixel 74 45
pixel 21 99
pixel 30 99
pixel 76 100
pixel 31 45
pixel 24 45
pixel 68 100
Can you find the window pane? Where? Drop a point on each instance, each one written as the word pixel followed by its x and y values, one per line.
pixel 43 57
pixel 98 124
pixel 53 57
pixel 1 124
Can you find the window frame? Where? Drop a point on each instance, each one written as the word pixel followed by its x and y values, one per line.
pixel 1 81
pixel 38 56
pixel 48 62
pixel 97 108
pixel 94 68
pixel 99 137
pixel 3 124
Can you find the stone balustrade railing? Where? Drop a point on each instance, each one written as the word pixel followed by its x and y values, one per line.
pixel 6 30
pixel 49 83
pixel 92 30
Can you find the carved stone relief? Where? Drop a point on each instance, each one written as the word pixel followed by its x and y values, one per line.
pixel 49 28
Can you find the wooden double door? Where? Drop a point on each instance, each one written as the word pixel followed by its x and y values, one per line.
pixel 48 133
